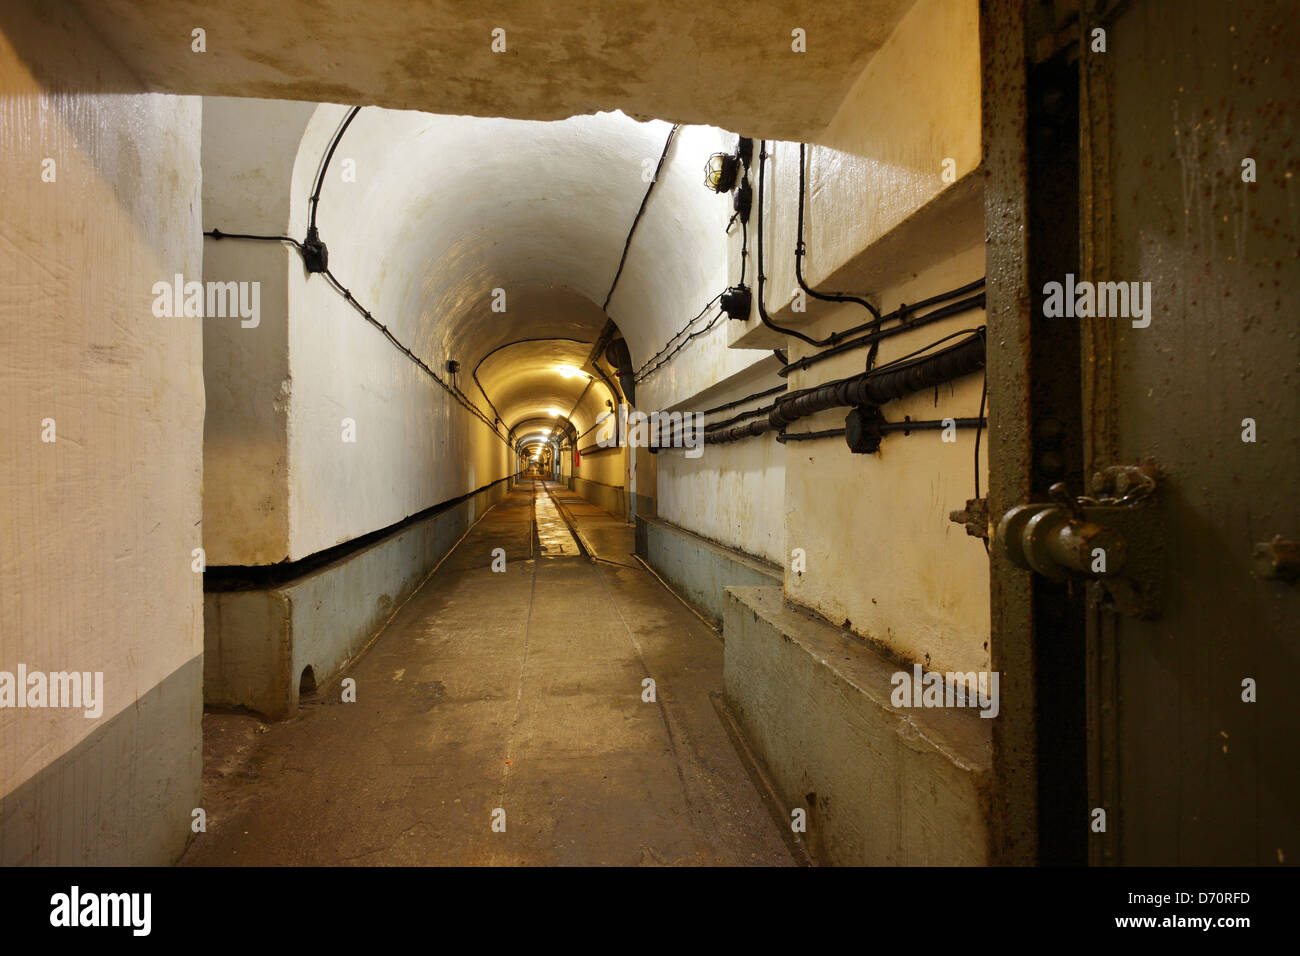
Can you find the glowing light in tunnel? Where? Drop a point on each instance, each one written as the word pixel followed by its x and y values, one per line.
pixel 571 371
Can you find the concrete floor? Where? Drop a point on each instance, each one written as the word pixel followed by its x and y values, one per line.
pixel 520 691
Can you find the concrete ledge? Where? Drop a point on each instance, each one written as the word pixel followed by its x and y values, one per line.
pixel 259 643
pixel 609 497
pixel 699 569
pixel 881 785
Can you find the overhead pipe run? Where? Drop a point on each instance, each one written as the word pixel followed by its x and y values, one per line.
pixel 886 384
pixel 906 315
pixel 863 436
pixel 620 359
pixel 867 390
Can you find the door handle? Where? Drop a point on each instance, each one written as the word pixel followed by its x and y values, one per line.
pixel 1115 544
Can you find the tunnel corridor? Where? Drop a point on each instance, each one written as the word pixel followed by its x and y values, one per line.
pixel 778 436
pixel 521 690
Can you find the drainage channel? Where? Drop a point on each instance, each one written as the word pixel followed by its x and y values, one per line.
pixel 554 538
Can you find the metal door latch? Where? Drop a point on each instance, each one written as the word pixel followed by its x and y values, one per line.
pixel 1112 540
pixel 1277 560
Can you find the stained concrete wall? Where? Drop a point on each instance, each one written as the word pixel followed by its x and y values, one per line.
pixel 897 222
pixel 100 523
pixel 602 473
pixel 698 569
pixel 613 498
pixel 259 642
pixel 285 482
pixel 880 785
pixel 880 550
pixel 586 56
pixel 415 445
pixel 733 493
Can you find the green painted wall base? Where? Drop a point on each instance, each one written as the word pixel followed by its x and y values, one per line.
pixel 880 786
pixel 699 569
pixel 258 643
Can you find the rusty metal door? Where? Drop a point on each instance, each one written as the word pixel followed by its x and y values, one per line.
pixel 1190 137
pixel 1173 684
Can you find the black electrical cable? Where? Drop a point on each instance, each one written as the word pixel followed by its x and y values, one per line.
pixel 752 413
pixel 218 234
pixel 627 244
pixel 835 338
pixel 762 279
pixel 744 248
pixel 943 312
pixel 907 426
pixel 877 386
pixel 699 315
pixel 569 417
pixel 747 398
pixel 909 308
pixel 314 201
pixel 977 330
pixel 893 365
pixel 694 335
pixel 454 392
pixel 479 364
pixel 644 371
pixel 897 378
pixel 799 251
pixel 984 388
pixel 809 436
pixel 593 427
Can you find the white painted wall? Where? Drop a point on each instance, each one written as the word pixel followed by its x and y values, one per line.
pixel 733 494
pixel 248 151
pixel 97 527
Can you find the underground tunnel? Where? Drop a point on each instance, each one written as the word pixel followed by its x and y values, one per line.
pixel 650 436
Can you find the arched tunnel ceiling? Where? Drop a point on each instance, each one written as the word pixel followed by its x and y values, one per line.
pixel 727 63
pixel 446 210
pixel 524 380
